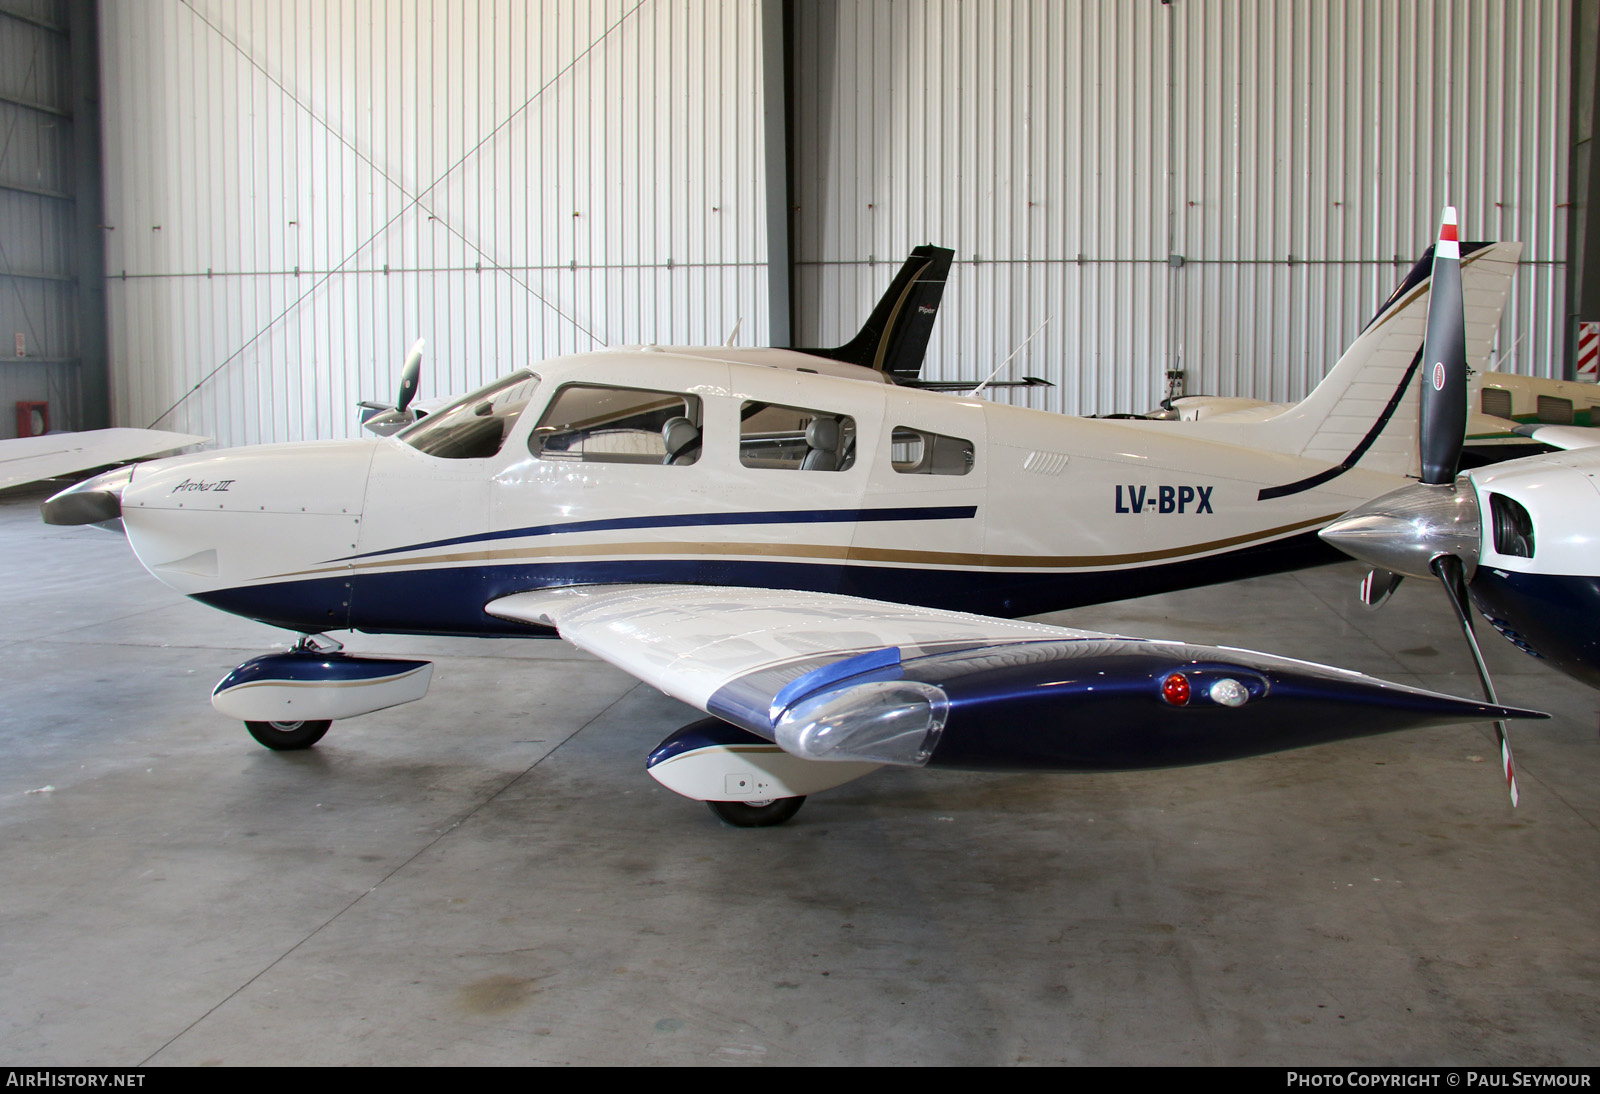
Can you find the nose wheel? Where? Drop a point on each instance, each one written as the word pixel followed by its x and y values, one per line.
pixel 763 814
pixel 288 736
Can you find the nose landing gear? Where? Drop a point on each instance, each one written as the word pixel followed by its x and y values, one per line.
pixel 288 700
pixel 289 736
pixel 757 814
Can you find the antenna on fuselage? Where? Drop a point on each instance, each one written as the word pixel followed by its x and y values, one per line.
pixel 734 333
pixel 1494 366
pixel 979 389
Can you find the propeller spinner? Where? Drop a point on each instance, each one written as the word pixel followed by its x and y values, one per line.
pixel 1432 527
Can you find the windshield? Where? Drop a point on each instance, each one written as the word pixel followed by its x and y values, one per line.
pixel 475 427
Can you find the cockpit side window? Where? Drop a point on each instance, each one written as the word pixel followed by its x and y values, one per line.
pixel 475 427
pixel 593 423
pixel 919 452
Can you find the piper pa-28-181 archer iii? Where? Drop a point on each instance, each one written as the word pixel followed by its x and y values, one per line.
pixel 827 563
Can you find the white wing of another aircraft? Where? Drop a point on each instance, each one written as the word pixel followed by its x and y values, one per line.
pixel 54 455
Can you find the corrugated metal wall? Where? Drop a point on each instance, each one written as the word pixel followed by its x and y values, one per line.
pixel 38 293
pixel 299 190
pixel 1295 155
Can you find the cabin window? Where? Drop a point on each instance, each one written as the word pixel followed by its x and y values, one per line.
pixel 1497 402
pixel 918 452
pixel 475 427
pixel 592 423
pixel 795 438
pixel 1555 411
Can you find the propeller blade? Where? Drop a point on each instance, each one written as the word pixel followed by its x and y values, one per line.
pixel 1444 361
pixel 1377 587
pixel 410 374
pixel 1452 574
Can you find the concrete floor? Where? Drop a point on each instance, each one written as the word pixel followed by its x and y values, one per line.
pixel 489 877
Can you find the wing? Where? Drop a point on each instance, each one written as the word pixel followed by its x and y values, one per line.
pixel 838 678
pixel 1565 437
pixel 30 459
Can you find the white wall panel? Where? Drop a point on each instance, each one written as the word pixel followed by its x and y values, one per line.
pixel 1288 151
pixel 299 190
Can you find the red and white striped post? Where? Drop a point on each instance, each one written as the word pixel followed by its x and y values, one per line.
pixel 1589 352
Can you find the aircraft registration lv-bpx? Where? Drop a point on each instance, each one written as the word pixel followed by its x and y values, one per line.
pixel 824 561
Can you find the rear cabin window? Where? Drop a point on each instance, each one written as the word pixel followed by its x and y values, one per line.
pixel 792 438
pixel 592 423
pixel 919 452
pixel 1555 411
pixel 1497 401
pixel 475 427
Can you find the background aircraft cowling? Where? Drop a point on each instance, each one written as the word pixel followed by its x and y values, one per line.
pixel 1534 578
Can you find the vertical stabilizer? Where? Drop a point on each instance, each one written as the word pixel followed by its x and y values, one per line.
pixel 895 337
pixel 1365 412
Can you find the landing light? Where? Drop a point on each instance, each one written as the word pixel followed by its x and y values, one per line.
pixel 881 721
pixel 1229 693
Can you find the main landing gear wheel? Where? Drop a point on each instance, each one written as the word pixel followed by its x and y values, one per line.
pixel 757 814
pixel 288 736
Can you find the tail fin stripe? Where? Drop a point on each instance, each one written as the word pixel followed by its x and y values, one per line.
pixel 1269 492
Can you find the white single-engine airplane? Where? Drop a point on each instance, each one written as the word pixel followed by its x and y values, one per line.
pixel 825 562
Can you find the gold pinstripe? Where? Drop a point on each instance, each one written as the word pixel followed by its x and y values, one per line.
pixel 840 552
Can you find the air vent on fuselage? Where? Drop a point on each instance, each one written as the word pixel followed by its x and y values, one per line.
pixel 1497 402
pixel 1045 463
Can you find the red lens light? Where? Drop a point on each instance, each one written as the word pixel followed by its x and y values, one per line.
pixel 1175 689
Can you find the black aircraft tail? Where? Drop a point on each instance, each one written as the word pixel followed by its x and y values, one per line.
pixel 895 337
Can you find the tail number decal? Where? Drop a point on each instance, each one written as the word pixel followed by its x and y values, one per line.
pixel 1164 499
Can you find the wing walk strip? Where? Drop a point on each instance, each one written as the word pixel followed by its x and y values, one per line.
pixel 840 552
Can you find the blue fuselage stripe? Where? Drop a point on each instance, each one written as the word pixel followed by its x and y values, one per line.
pixel 694 520
pixel 450 600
